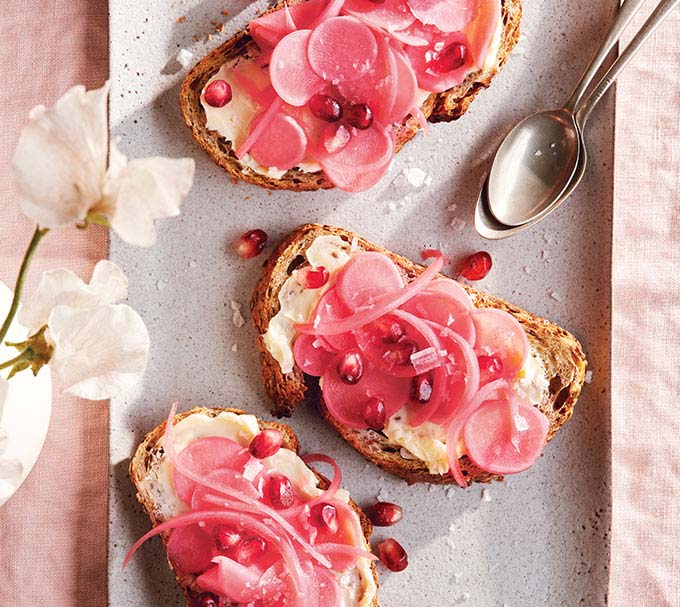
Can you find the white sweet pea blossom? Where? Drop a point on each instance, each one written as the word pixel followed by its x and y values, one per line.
pixel 100 346
pixel 10 469
pixel 66 171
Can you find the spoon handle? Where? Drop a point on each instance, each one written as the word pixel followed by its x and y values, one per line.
pixel 623 17
pixel 655 19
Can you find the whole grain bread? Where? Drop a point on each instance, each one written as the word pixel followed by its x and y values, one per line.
pixel 560 352
pixel 150 453
pixel 442 107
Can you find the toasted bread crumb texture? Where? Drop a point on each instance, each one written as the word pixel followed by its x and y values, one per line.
pixel 149 453
pixel 561 354
pixel 442 107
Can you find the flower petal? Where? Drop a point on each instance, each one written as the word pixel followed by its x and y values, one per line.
pixel 10 471
pixel 145 190
pixel 3 397
pixel 99 353
pixel 61 158
pixel 63 287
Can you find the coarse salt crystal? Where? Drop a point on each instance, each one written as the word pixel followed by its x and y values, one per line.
pixel 555 296
pixel 237 317
pixel 452 208
pixel 457 224
pixel 486 496
pixel 185 58
pixel 589 377
pixel 234 348
pixel 415 176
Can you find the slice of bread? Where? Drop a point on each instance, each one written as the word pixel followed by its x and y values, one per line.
pixel 442 107
pixel 150 454
pixel 560 352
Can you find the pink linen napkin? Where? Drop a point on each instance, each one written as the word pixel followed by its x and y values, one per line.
pixel 53 531
pixel 645 563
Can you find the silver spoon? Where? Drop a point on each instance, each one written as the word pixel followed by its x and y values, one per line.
pixel 544 158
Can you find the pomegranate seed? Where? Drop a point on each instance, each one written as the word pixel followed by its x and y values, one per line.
pixel 325 108
pixel 378 1
pixel 490 364
pixel 266 443
pixel 400 353
pixel 335 137
pixel 393 555
pixel 249 549
pixel 421 388
pixel 217 93
pixel 251 243
pixel 351 368
pixel 207 599
pixel 280 491
pixel 325 517
pixel 375 414
pixel 312 278
pixel 384 514
pixel 359 116
pixel 392 330
pixel 451 58
pixel 226 537
pixel 476 266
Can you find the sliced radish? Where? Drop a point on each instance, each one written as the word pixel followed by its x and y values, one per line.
pixel 292 76
pixel 341 48
pixel 481 30
pixel 231 580
pixel 431 75
pixel 416 34
pixel 330 309
pixel 347 403
pixel 258 126
pixel 389 15
pixel 282 145
pixel 191 549
pixel 365 277
pixel 406 87
pixel 268 29
pixel 452 289
pixel 446 15
pixel 500 334
pixel 310 355
pixel 352 180
pixel 488 437
pixel 445 311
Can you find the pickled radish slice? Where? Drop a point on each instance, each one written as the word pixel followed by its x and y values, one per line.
pixel 292 76
pixel 283 144
pixel 500 334
pixel 488 436
pixel 445 311
pixel 329 309
pixel 341 49
pixel 231 580
pixel 348 179
pixel 204 456
pixel 406 87
pixel 452 289
pixel 445 15
pixel 258 126
pixel 191 549
pixel 347 403
pixel 389 15
pixel 481 30
pixel 365 277
pixel 268 29
pixel 431 75
pixel 310 355
pixel 415 34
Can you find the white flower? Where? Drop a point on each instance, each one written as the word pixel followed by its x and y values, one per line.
pixel 100 347
pixel 64 172
pixel 10 469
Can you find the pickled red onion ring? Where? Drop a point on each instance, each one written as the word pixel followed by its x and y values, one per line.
pixel 259 128
pixel 383 305
pixel 346 550
pixel 332 489
pixel 485 393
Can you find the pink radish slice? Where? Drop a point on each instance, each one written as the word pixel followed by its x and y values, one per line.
pixel 225 478
pixel 488 437
pixel 328 588
pixel 406 87
pixel 446 15
pixel 282 145
pixel 347 403
pixel 310 355
pixel 378 87
pixel 423 59
pixel 481 30
pixel 191 549
pixel 333 8
pixel 390 15
pixel 344 556
pixel 268 29
pixel 452 289
pixel 499 334
pixel 292 76
pixel 330 309
pixel 258 126
pixel 354 180
pixel 415 34
pixel 205 455
pixel 445 311
pixel 341 48
pixel 231 580
pixel 486 393
pixel 365 277
pixel 386 304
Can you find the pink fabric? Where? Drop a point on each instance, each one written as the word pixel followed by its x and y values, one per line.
pixel 645 567
pixel 53 531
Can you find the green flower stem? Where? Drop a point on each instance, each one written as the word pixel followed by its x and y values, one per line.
pixel 15 360
pixel 19 286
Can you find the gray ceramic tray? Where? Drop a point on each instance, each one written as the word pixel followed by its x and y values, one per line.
pixel 542 538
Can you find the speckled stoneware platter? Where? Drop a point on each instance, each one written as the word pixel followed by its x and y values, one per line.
pixel 541 538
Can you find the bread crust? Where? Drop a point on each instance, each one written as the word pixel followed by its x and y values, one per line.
pixel 442 107
pixel 560 351
pixel 149 451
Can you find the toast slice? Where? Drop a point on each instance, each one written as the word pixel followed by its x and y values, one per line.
pixel 560 352
pixel 442 107
pixel 143 473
